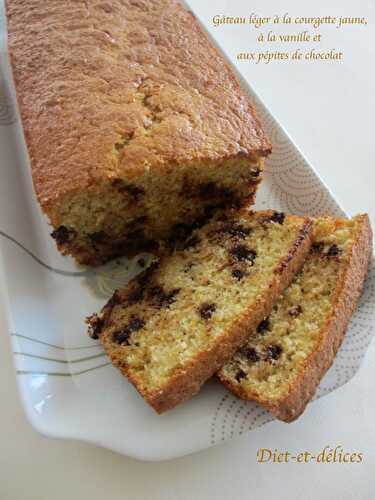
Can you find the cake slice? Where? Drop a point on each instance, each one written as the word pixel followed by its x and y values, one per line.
pixel 135 124
pixel 176 324
pixel 290 350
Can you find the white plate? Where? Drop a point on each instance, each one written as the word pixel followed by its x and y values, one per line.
pixel 67 385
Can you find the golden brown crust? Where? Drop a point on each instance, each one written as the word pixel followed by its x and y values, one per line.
pixel 187 382
pixel 347 293
pixel 122 86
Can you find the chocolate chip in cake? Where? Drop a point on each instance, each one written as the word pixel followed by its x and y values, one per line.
pixel 251 354
pixel 213 190
pixel 141 262
pixel 188 267
pixel 317 247
pixel 160 298
pixel 333 251
pixel 255 172
pixel 181 239
pixel 210 210
pixel 136 192
pixel 136 295
pixel 135 323
pixel 95 326
pixel 263 326
pixel 206 310
pixel 98 237
pixel 243 253
pixel 135 241
pixel 156 293
pixel 295 311
pixel 137 292
pixel 277 217
pixel 238 274
pixel 273 352
pixel 123 336
pixel 240 375
pixel 236 230
pixel 63 235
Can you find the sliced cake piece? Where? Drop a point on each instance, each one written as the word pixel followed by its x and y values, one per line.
pixel 290 350
pixel 176 324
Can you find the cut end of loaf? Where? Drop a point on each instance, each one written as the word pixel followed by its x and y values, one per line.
pixel 128 215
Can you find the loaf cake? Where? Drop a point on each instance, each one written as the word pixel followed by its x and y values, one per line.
pixel 136 127
pixel 176 324
pixel 289 351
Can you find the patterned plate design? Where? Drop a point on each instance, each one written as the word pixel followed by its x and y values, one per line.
pixel 67 385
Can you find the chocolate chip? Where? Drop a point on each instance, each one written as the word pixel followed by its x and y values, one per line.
pixel 238 274
pixel 236 230
pixel 240 375
pixel 255 172
pixel 242 253
pixel 141 262
pixel 295 311
pixel 136 192
pixel 277 217
pixel 134 241
pixel 95 326
pixel 63 235
pixel 263 326
pixel 170 297
pixel 317 247
pixel 135 323
pixel 213 190
pixel 188 267
pixel 157 293
pixel 210 210
pixel 135 295
pixel 160 298
pixel 98 237
pixel 251 354
pixel 180 232
pixel 123 336
pixel 273 352
pixel 140 283
pixel 333 251
pixel 206 310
